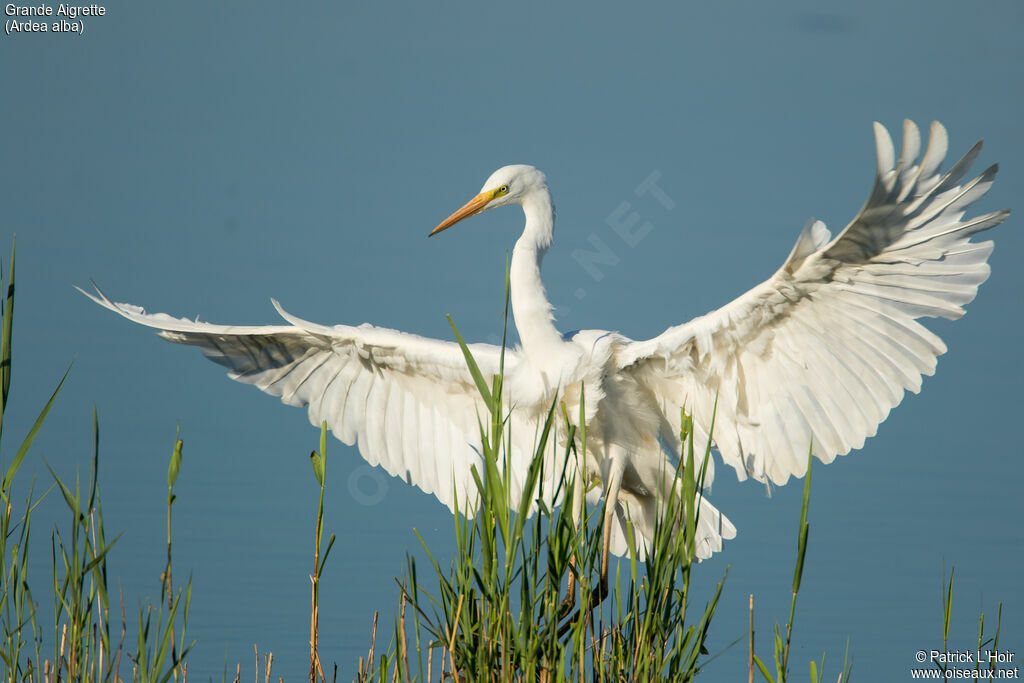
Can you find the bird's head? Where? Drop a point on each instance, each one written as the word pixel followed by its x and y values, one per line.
pixel 508 185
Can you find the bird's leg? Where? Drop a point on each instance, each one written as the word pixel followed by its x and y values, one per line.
pixel 611 499
pixel 569 601
pixel 613 485
pixel 578 499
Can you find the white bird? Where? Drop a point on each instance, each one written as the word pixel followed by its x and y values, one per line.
pixel 817 354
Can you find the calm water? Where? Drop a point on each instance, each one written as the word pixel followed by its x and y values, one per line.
pixel 199 161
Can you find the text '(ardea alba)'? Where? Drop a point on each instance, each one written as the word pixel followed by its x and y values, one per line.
pixel 817 354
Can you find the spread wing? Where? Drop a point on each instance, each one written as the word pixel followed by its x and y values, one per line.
pixel 409 402
pixel 824 349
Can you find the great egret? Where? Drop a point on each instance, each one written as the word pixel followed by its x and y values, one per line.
pixel 818 353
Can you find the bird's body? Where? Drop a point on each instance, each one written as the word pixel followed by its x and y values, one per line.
pixel 816 355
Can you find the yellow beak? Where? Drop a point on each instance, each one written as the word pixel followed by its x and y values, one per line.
pixel 473 206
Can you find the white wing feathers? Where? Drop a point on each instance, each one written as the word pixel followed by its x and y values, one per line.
pixel 824 349
pixel 408 401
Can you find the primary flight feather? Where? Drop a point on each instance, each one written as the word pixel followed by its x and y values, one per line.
pixel 818 354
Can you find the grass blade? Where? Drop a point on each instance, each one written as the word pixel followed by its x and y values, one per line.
pixel 27 443
pixel 474 369
pixel 5 341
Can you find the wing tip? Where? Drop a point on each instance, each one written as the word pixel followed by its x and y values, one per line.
pixel 279 308
pixel 937 129
pixel 884 149
pixel 101 299
pixel 288 317
pixel 298 322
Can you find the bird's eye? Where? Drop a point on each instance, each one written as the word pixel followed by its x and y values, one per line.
pixel 503 190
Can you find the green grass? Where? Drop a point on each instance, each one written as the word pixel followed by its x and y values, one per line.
pixel 81 646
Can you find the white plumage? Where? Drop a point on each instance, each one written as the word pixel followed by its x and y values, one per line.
pixel 817 354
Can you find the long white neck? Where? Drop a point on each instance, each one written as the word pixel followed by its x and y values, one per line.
pixel 530 306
